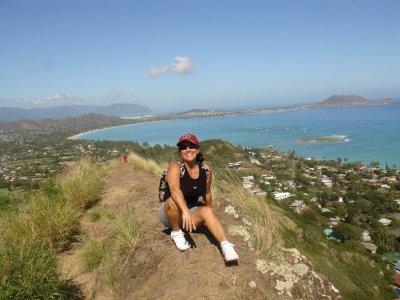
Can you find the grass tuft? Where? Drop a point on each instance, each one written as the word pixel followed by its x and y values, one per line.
pixel 82 183
pixel 265 228
pixel 96 213
pixel 91 254
pixel 28 268
pixel 39 227
pixel 148 165
pixel 128 233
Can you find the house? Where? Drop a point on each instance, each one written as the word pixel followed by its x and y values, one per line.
pixel 270 177
pixel 370 247
pixel 335 219
pixel 297 205
pixel 365 236
pixel 384 221
pixel 281 195
pixel 255 161
pixel 391 179
pixel 248 184
pixel 289 183
pixel 327 181
pixel 330 235
pixel 235 165
pixel 332 224
pixel 248 178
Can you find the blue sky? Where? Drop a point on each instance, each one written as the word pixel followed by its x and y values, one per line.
pixel 178 55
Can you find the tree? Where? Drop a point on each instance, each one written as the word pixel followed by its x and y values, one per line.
pixel 384 240
pixel 375 163
pixel 347 232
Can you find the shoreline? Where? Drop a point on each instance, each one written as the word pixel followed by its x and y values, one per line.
pixel 391 161
pixel 77 136
pixel 218 115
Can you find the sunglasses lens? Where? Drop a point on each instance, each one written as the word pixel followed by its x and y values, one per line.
pixel 191 146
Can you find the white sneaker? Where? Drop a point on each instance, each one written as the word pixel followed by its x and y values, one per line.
pixel 179 239
pixel 228 252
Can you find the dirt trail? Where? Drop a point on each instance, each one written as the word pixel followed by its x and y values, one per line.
pixel 157 270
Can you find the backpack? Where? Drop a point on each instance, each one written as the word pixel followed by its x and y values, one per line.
pixel 163 187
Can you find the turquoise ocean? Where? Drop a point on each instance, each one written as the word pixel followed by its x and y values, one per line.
pixel 372 133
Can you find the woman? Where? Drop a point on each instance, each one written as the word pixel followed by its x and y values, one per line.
pixel 189 180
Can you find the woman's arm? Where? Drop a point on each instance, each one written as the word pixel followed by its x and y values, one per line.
pixel 208 195
pixel 173 179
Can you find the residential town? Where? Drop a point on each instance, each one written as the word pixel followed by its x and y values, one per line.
pixel 348 202
pixel 345 203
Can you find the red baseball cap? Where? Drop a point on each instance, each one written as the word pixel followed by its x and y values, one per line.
pixel 190 138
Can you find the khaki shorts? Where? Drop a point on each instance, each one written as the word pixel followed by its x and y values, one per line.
pixel 163 217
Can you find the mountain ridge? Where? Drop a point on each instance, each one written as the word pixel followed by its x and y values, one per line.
pixel 58 112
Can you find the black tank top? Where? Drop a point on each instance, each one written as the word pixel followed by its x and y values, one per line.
pixel 193 189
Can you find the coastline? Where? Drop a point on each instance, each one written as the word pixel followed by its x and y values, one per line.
pixel 211 115
pixel 330 149
pixel 77 136
pixel 219 114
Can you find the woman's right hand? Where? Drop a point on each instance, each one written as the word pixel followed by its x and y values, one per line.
pixel 187 221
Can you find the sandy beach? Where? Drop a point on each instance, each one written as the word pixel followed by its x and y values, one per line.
pixel 79 135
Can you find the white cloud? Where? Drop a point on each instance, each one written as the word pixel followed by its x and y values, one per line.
pixel 182 65
pixel 57 99
pixel 113 94
pixel 153 72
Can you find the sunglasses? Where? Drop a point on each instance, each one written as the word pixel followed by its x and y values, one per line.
pixel 191 146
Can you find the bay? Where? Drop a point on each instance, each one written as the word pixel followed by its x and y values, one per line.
pixel 371 133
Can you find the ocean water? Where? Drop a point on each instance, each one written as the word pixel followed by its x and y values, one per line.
pixel 372 133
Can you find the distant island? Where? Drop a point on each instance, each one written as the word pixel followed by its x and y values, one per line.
pixel 351 100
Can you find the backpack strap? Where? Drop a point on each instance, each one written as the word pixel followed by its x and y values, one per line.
pixel 201 165
pixel 204 168
pixel 182 168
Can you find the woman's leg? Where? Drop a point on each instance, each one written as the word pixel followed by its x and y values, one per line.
pixel 173 213
pixel 205 214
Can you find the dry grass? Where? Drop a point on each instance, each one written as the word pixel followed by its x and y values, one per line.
pixel 265 228
pixel 148 165
pixel 82 183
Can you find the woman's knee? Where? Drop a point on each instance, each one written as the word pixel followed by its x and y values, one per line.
pixel 170 206
pixel 206 211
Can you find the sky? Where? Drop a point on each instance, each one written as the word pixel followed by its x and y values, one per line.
pixel 179 55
